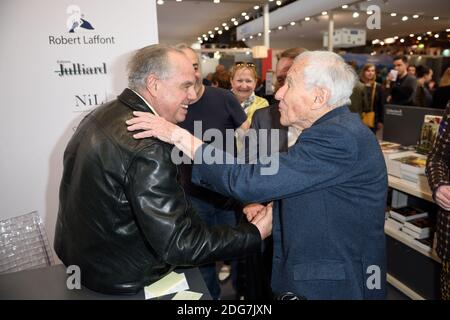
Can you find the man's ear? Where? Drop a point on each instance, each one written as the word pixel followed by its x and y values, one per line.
pixel 152 84
pixel 321 97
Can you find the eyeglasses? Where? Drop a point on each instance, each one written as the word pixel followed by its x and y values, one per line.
pixel 245 64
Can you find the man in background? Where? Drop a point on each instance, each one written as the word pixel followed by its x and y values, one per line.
pixel 401 84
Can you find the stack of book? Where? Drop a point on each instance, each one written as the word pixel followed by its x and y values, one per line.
pixel 413 222
pixel 418 228
pixel 407 213
pixel 409 166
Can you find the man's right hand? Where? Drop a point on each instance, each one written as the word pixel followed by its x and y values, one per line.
pixel 263 221
pixel 252 209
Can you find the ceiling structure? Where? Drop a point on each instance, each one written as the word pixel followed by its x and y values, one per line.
pixel 185 21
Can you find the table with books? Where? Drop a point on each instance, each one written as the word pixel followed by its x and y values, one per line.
pixel 413 266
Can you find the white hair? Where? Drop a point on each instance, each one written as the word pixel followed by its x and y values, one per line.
pixel 325 69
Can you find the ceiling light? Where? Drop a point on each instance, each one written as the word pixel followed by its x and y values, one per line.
pixel 375 41
pixel 355 15
pixel 160 2
pixel 216 28
pixel 396 37
pixel 402 40
pixel 256 7
pixel 219 32
pixel 345 6
pixel 233 19
pixel 404 18
pixel 411 35
pixel 307 18
pixel 447 30
pixel 435 18
pixel 324 13
pixel 251 37
pixel 415 16
pixel 436 35
pixel 429 32
pixel 382 43
pixel 393 14
pixel 247 52
pixel 235 23
pixel 259 34
pixel 210 32
pixel 211 35
pixel 389 40
pixel 419 38
pixel 369 12
pixel 269 30
pixel 224 24
pixel 179 0
pixel 280 27
pixel 279 3
pixel 227 28
pixel 216 1
pixel 199 38
pixel 243 14
pixel 292 23
pixel 243 39
pixel 247 18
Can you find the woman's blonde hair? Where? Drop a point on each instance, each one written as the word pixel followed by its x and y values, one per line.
pixel 243 65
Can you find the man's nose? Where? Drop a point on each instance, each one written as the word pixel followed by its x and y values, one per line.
pixel 192 95
pixel 280 93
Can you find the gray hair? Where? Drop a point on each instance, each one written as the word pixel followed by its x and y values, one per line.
pixel 152 59
pixel 325 69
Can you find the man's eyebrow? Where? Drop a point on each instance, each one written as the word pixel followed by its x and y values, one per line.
pixel 187 84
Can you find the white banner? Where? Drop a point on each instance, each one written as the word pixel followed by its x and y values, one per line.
pixel 58 60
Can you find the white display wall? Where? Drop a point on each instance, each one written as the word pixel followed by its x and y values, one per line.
pixel 58 61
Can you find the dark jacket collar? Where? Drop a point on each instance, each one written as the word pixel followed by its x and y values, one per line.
pixel 333 113
pixel 133 101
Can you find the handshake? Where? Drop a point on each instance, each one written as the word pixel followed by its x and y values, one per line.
pixel 261 217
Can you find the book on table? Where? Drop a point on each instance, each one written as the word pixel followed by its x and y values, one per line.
pixel 407 213
pixel 416 235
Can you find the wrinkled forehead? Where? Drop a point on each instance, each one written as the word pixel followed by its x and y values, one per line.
pixel 182 68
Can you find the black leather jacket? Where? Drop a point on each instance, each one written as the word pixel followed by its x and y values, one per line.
pixel 123 217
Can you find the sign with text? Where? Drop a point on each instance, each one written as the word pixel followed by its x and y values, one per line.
pixel 59 60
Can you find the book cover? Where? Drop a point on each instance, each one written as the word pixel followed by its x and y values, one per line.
pixel 416 235
pixel 419 225
pixel 426 243
pixel 407 213
pixel 428 133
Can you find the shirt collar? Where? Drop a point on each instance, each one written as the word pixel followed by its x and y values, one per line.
pixel 151 108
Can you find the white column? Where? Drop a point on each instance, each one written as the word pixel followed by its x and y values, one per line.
pixel 330 30
pixel 266 26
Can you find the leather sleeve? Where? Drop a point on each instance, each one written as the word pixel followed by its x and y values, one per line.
pixel 169 223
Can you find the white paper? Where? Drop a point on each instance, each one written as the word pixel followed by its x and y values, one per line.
pixel 173 282
pixel 187 295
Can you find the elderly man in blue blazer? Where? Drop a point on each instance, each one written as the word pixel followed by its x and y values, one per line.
pixel 328 194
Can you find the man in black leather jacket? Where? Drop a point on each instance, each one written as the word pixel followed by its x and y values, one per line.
pixel 123 217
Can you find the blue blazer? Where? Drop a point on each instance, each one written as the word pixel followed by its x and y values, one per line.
pixel 330 198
